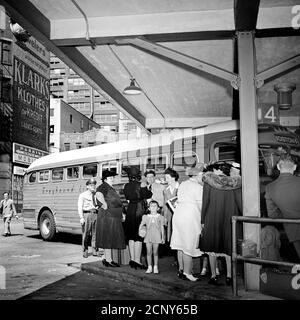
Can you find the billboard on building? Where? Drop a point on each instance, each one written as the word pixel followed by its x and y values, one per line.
pixel 31 94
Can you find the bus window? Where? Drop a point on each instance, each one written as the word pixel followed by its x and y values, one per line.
pixel 57 174
pixel 72 173
pixel 111 166
pixel 130 163
pixel 32 177
pixel 90 170
pixel 226 152
pixel 158 164
pixel 44 176
pixel 182 160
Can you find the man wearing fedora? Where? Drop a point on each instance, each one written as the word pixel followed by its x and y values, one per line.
pixel 87 210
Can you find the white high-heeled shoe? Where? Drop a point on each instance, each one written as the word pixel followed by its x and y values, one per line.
pixel 191 277
pixel 155 269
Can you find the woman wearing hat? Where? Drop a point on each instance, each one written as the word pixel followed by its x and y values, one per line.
pixel 187 222
pixel 222 199
pixel 109 230
pixel 135 193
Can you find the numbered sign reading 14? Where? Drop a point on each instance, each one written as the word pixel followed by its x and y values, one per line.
pixel 268 113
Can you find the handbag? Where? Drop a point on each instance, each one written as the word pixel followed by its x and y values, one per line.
pixel 142 231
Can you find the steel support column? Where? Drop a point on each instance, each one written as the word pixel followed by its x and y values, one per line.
pixel 249 144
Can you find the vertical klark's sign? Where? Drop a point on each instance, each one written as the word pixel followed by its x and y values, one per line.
pixel 31 94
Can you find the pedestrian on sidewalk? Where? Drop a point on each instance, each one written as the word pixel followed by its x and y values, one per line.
pixel 153 230
pixel 136 193
pixel 8 210
pixel 187 222
pixel 109 231
pixel 87 210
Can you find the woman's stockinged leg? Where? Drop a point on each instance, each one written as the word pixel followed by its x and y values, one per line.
pixel 107 255
pixel 187 264
pixel 180 260
pixel 213 264
pixel 131 249
pixel 137 251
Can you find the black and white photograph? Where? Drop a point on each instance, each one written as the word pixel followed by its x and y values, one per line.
pixel 149 155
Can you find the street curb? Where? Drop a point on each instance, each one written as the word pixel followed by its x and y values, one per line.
pixel 182 290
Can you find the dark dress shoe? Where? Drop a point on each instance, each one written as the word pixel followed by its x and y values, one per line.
pixel 214 281
pixel 228 281
pixel 5 235
pixel 106 263
pixel 180 275
pixel 115 264
pixel 131 263
pixel 139 266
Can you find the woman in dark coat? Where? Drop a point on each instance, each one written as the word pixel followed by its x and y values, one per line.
pixel 135 193
pixel 109 229
pixel 221 200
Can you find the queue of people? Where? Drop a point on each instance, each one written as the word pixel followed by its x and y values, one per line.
pixel 196 224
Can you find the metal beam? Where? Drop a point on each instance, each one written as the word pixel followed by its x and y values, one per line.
pixel 249 144
pixel 39 26
pixel 182 60
pixel 162 37
pixel 245 14
pixel 277 70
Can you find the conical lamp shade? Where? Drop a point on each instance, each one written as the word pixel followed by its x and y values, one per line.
pixel 132 88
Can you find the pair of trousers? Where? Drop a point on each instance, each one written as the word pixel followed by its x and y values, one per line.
pixel 7 221
pixel 89 230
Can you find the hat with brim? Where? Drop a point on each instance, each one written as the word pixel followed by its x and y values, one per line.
pixel 194 171
pixel 108 173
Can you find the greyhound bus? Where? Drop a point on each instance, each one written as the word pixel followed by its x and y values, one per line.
pixel 53 183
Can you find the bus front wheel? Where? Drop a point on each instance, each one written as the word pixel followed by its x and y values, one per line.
pixel 47 225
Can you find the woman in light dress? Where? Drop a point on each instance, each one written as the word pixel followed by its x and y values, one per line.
pixel 187 222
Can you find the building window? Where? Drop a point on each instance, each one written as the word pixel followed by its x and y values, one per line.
pixel 71 118
pixel 67 146
pixel 6 54
pixel 51 112
pixel 51 128
pixel 91 144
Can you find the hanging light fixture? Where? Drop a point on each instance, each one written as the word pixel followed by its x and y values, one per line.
pixel 132 89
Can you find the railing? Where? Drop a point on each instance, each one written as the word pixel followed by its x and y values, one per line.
pixel 256 260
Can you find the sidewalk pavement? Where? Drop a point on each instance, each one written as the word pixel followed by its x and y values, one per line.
pixel 168 282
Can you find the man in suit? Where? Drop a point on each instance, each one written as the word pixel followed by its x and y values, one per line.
pixel 8 210
pixel 283 198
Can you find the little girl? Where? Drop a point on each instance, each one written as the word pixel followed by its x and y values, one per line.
pixel 155 234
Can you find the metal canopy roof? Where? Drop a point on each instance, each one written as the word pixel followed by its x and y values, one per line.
pixel 162 43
